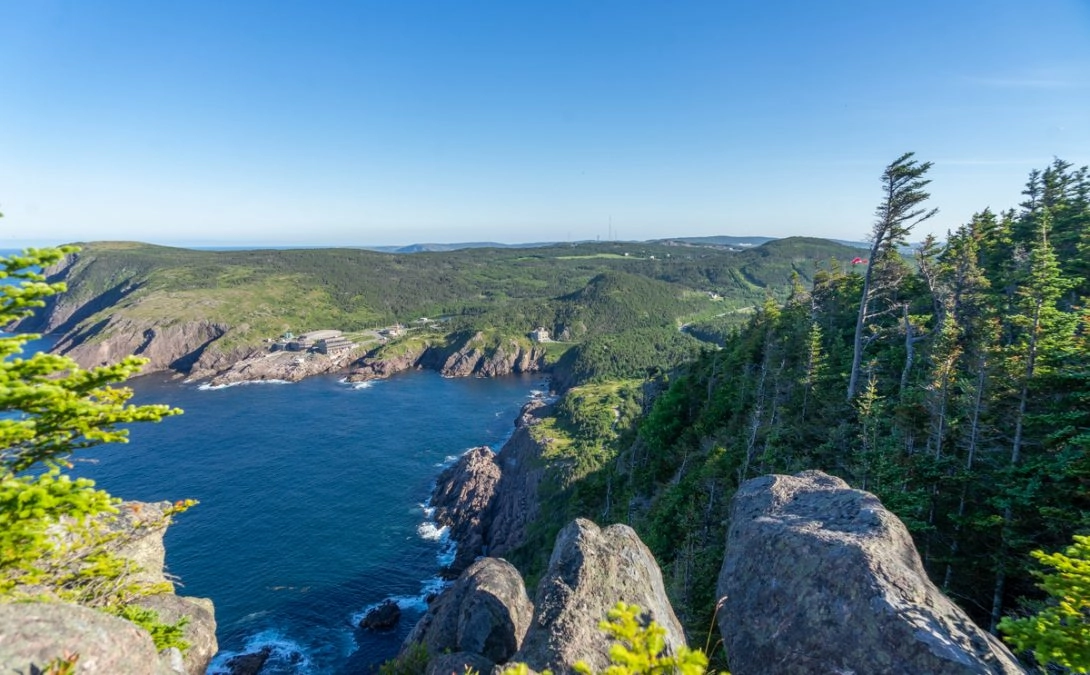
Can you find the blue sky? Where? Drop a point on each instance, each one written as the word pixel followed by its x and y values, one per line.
pixel 397 122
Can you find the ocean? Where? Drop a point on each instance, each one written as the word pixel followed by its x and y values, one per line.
pixel 312 502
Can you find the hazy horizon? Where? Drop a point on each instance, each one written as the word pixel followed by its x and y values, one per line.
pixel 377 124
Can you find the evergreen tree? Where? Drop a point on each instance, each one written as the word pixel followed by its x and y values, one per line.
pixel 901 209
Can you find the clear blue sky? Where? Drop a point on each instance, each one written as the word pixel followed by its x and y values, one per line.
pixel 455 120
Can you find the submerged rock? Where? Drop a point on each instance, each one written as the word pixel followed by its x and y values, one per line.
pixel 821 578
pixel 383 617
pixel 590 571
pixel 486 612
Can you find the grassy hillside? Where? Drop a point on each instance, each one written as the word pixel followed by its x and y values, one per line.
pixel 584 292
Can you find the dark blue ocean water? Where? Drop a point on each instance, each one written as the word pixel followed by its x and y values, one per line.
pixel 311 502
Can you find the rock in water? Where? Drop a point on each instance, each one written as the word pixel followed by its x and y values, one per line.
pixel 383 617
pixel 590 571
pixel 486 612
pixel 250 663
pixel 821 578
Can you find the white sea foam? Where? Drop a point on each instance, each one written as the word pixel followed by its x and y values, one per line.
pixel 285 654
pixel 430 531
pixel 363 385
pixel 214 387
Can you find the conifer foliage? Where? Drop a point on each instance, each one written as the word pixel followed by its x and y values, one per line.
pixel 55 539
pixel 968 380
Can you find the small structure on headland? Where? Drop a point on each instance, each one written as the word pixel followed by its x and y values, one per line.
pixel 392 331
pixel 540 334
pixel 329 342
pixel 334 345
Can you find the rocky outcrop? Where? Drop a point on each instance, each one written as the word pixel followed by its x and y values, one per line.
pixel 590 571
pixel 377 367
pixel 474 356
pixel 515 504
pixel 176 346
pixel 467 355
pixel 821 578
pixel 137 533
pixel 33 634
pixel 463 502
pixel 483 616
pixel 488 500
pixel 282 366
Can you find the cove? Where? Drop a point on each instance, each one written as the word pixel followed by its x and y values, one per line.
pixel 312 502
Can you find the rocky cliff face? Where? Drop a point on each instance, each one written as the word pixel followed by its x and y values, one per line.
pixel 467 356
pixel 463 502
pixel 173 347
pixel 821 578
pixel 516 505
pixel 488 500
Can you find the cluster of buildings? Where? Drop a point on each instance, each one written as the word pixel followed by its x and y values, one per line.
pixel 328 342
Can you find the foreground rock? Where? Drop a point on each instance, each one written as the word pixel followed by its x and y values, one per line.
pixel 145 547
pixel 33 634
pixel 484 615
pixel 590 571
pixel 56 627
pixel 821 578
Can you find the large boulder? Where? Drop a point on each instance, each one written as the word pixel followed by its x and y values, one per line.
pixel 485 612
pixel 33 634
pixel 590 571
pixel 821 578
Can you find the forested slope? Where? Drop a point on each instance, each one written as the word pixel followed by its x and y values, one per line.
pixel 971 418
